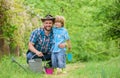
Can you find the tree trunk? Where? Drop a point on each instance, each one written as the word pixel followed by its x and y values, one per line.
pixel 4 48
pixel 15 51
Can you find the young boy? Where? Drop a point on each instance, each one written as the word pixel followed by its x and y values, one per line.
pixel 60 36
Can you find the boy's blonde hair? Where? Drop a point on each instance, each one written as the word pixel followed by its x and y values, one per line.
pixel 60 19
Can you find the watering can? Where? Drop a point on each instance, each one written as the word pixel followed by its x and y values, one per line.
pixel 13 60
pixel 35 64
pixel 69 56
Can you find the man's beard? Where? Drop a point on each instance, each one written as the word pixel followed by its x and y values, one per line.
pixel 47 29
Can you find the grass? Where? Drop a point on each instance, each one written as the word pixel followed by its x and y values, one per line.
pixel 106 69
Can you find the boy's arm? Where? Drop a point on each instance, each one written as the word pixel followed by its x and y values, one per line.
pixel 69 45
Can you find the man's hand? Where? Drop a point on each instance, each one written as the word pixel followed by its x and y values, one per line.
pixel 39 54
pixel 62 45
pixel 32 49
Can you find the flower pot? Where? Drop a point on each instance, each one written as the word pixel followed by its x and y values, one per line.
pixel 49 70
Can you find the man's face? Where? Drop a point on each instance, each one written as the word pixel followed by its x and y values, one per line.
pixel 48 25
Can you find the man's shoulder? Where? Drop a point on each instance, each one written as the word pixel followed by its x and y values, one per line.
pixel 37 31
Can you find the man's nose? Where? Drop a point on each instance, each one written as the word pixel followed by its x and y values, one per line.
pixel 48 24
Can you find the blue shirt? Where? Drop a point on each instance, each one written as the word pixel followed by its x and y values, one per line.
pixel 60 36
pixel 41 42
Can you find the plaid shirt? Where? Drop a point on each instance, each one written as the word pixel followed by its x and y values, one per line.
pixel 42 42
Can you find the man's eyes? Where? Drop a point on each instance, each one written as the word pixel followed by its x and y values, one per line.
pixel 48 23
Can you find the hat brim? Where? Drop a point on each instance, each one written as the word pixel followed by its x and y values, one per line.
pixel 44 19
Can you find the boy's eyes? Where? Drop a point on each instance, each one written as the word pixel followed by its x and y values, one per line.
pixel 57 22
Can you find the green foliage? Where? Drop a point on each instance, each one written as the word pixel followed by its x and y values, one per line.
pixel 113 18
pixel 93 25
pixel 106 69
pixel 9 30
pixel 16 23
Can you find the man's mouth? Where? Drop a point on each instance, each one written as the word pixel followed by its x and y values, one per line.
pixel 48 28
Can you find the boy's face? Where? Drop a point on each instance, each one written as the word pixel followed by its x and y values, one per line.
pixel 58 24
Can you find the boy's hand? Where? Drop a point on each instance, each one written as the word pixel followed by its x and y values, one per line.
pixel 62 45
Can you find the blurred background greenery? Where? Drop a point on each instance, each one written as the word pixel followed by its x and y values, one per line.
pixel 93 26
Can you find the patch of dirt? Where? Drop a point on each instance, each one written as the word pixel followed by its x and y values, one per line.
pixel 69 67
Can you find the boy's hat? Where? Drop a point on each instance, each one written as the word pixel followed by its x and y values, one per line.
pixel 48 17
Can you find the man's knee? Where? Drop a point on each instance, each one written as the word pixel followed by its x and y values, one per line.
pixel 29 56
pixel 47 57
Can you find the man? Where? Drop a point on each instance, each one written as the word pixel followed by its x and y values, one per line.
pixel 41 40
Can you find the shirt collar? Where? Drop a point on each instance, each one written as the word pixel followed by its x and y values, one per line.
pixel 43 32
pixel 58 28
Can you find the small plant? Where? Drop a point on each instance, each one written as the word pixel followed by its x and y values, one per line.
pixel 47 66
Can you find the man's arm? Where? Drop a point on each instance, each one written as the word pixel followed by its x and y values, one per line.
pixel 32 49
